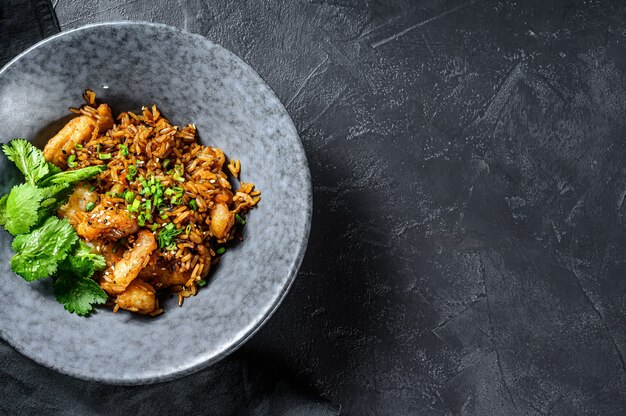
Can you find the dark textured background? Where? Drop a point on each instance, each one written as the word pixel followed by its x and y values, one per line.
pixel 468 246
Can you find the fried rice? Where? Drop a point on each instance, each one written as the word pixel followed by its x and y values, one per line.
pixel 160 181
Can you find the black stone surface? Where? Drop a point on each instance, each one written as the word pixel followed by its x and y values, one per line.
pixel 467 253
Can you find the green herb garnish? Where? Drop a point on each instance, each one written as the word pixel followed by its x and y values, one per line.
pixel 46 246
pixel 132 172
pixel 193 204
pixel 178 173
pixel 240 219
pixel 71 161
pixel 165 238
pixel 90 206
pixel 221 250
pixel 123 149
pixel 104 156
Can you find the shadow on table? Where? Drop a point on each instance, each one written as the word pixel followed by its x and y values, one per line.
pixel 333 316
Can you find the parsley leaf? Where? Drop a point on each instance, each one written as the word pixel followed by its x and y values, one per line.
pixel 78 294
pixel 39 253
pixel 28 159
pixel 73 176
pixel 82 261
pixel 3 209
pixel 52 197
pixel 22 206
pixel 55 191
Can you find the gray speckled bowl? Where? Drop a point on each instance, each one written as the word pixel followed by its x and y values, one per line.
pixel 191 80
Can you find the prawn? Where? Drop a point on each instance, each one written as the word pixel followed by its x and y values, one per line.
pixel 133 261
pixel 76 131
pixel 138 297
pixel 107 221
pixel 75 210
pixel 222 220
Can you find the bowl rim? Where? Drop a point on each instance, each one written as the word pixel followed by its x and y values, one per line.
pixel 193 366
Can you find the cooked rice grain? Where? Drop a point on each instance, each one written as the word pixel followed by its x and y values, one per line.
pixel 150 146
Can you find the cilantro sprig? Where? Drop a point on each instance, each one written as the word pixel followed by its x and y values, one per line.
pixel 46 246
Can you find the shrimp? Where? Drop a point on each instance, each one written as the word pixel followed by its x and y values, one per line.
pixel 106 117
pixel 222 220
pixel 127 269
pixel 161 276
pixel 76 131
pixel 138 297
pixel 75 210
pixel 224 196
pixel 107 221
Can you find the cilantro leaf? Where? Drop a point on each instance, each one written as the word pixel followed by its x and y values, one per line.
pixel 73 176
pixel 52 197
pixel 39 253
pixel 78 294
pixel 3 209
pixel 52 168
pixel 22 206
pixel 53 191
pixel 82 261
pixel 28 159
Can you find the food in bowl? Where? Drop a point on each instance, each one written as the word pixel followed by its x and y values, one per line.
pixel 122 211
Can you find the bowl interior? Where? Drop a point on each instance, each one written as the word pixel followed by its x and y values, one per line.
pixel 192 80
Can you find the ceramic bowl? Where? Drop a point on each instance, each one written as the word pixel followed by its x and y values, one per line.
pixel 192 80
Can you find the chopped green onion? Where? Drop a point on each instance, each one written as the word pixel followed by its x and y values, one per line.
pixel 135 206
pixel 221 250
pixel 123 149
pixel 179 171
pixel 240 220
pixel 98 148
pixel 78 146
pixel 92 188
pixel 90 206
pixel 129 196
pixel 202 283
pixel 132 172
pixel 188 229
pixel 104 156
pixel 141 220
pixel 71 161
pixel 166 163
pixel 155 226
pixel 166 236
pixel 148 205
pixel 193 204
pixel 164 216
